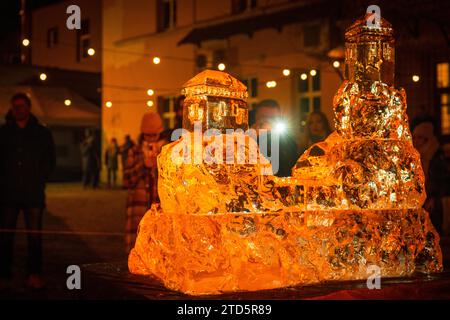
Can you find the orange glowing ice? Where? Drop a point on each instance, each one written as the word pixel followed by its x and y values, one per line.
pixel 353 201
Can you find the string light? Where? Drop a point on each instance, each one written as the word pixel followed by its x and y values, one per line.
pixel 336 64
pixel 91 51
pixel 415 78
pixel 303 76
pixel 25 42
pixel 108 104
pixel 150 92
pixel 150 103
pixel 286 72
pixel 271 84
pixel 43 76
pixel 67 102
pixel 156 60
pixel 221 66
pixel 313 72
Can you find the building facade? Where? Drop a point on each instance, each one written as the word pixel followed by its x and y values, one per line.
pixel 168 30
pixel 59 74
pixel 54 45
pixel 257 41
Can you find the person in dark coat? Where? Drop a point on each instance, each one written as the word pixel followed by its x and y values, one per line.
pixel 268 117
pixel 90 160
pixel 437 179
pixel 27 157
pixel 124 149
pixel 112 162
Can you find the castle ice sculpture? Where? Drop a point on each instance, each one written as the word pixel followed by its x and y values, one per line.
pixel 226 227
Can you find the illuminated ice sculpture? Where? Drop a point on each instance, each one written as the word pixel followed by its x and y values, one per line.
pixel 356 203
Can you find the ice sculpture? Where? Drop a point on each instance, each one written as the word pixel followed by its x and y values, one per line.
pixel 357 202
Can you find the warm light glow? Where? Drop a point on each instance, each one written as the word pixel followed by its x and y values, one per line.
pixel 346 211
pixel 150 92
pixel 271 84
pixel 150 103
pixel 286 72
pixel 280 127
pixel 415 78
pixel 303 76
pixel 336 64
pixel 221 66
pixel 25 42
pixel 156 60
pixel 108 104
pixel 67 102
pixel 43 76
pixel 91 51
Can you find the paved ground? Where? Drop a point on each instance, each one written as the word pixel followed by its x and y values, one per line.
pixel 90 225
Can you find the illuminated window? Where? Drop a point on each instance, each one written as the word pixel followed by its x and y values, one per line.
pixel 442 75
pixel 445 113
pixel 443 94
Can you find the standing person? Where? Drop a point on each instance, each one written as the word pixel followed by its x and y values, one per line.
pixel 90 160
pixel 317 130
pixel 437 180
pixel 267 116
pixel 112 162
pixel 141 174
pixel 124 149
pixel 27 157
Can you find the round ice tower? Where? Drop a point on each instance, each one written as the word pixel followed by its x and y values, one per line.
pixel 367 105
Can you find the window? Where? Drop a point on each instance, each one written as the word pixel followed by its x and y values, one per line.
pixel 202 61
pixel 167 14
pixel 311 36
pixel 309 96
pixel 83 40
pixel 52 37
pixel 218 56
pixel 252 86
pixel 442 75
pixel 443 90
pixel 445 113
pixel 168 110
pixel 239 6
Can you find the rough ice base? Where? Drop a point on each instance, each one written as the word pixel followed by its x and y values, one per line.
pixel 211 254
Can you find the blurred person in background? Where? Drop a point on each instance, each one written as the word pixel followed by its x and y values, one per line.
pixel 268 117
pixel 90 161
pixel 141 174
pixel 27 158
pixel 317 130
pixel 112 162
pixel 437 180
pixel 124 149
